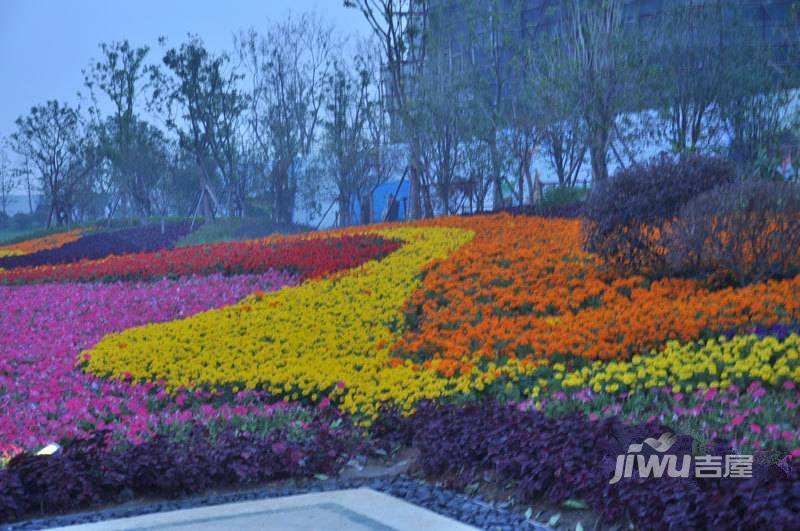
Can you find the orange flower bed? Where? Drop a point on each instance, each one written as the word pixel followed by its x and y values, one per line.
pixel 523 288
pixel 51 241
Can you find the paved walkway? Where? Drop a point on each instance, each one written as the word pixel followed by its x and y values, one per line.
pixel 354 509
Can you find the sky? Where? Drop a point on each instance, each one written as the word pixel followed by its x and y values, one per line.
pixel 44 44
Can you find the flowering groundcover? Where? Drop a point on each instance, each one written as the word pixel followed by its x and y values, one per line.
pixel 44 327
pixel 457 310
pixel 98 245
pixel 309 258
pixel 573 458
pixel 50 241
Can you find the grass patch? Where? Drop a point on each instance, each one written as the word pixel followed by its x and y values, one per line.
pixel 237 229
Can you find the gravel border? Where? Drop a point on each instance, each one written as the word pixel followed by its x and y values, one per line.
pixel 469 510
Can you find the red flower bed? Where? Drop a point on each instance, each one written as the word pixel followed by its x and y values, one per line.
pixel 309 258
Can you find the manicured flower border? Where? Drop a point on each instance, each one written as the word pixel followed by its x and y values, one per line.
pixel 466 309
pixel 98 245
pixel 43 243
pixel 93 470
pixel 573 458
pixel 524 288
pixel 44 398
pixel 310 258
pixel 324 338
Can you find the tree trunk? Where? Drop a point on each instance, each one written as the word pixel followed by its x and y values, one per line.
pixel 414 180
pixel 597 154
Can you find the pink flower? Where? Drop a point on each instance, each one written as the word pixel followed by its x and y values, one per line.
pixel 325 402
pixel 755 428
pixel 678 396
pixel 737 420
pixel 787 435
pixel 710 394
pixel 755 390
pixel 789 385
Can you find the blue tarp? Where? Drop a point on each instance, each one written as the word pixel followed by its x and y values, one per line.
pixel 380 200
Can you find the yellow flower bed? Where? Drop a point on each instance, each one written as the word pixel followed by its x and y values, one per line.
pixel 325 337
pixel 8 252
pixel 697 365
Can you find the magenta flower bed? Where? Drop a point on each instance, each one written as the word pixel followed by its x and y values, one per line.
pixel 44 398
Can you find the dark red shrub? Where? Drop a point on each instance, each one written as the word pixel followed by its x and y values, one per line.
pixel 625 218
pixel 738 233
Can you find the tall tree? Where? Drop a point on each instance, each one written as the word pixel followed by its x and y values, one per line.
pixel 345 143
pixel 493 40
pixel 687 51
pixel 758 93
pixel 8 180
pixel 401 29
pixel 445 123
pixel 205 104
pixel 589 60
pixel 120 75
pixel 288 68
pixel 53 138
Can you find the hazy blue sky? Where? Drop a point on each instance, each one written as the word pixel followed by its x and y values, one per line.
pixel 44 44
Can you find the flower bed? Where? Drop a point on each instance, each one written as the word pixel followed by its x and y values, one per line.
pixel 477 310
pixel 310 258
pixel 572 458
pixel 44 243
pixel 44 398
pixel 100 245
pixel 524 288
pixel 328 336
pixel 295 443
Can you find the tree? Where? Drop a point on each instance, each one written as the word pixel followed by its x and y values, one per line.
pixel 687 49
pixel 8 180
pixel 205 94
pixel 288 68
pixel 444 124
pixel 493 39
pixel 401 29
pixel 119 75
pixel 589 59
pixel 345 143
pixel 53 138
pixel 758 92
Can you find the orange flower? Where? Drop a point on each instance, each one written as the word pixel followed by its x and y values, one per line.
pixel 524 288
pixel 44 243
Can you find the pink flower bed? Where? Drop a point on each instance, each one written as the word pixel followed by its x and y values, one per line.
pixel 45 398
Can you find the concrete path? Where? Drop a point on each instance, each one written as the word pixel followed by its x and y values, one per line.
pixel 354 509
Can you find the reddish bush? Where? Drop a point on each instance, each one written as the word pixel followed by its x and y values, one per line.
pixel 738 234
pixel 626 217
